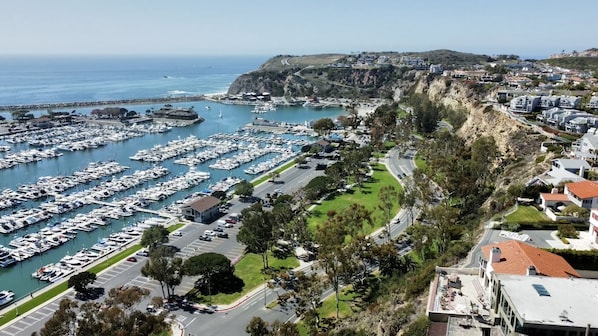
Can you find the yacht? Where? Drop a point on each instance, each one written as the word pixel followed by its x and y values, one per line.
pixel 6 297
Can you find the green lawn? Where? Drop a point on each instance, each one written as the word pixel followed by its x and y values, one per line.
pixel 366 196
pixel 249 269
pixel 420 163
pixel 526 214
pixel 346 304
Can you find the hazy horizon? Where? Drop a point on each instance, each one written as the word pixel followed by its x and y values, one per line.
pixel 268 28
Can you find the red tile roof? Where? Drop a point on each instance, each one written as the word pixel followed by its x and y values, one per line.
pixel 583 189
pixel 517 256
pixel 554 197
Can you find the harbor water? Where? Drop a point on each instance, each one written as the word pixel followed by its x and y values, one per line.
pixel 219 118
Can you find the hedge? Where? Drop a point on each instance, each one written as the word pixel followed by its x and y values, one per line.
pixel 579 259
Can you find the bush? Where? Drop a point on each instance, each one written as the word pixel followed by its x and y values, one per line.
pixel 579 259
pixel 567 231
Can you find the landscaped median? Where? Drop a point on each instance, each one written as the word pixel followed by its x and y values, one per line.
pixel 46 295
pixel 279 170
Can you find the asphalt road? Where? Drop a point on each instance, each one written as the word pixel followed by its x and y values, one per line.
pixel 129 273
pixel 231 321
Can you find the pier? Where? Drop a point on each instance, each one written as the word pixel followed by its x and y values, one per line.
pixel 101 103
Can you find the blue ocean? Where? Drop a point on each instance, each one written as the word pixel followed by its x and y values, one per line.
pixel 38 80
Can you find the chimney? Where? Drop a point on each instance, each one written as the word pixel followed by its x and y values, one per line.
pixel 554 190
pixel 531 270
pixel 494 255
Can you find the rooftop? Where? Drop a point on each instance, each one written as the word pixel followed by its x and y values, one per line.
pixel 583 189
pixel 203 203
pixel 555 197
pixel 552 301
pixel 517 256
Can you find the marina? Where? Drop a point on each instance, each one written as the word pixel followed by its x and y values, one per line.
pixel 59 214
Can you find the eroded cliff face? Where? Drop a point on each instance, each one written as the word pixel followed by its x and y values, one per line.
pixel 519 144
pixel 514 140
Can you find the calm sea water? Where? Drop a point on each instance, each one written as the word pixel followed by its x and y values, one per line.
pixel 61 79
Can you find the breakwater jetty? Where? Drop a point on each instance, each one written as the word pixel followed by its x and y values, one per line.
pixel 101 103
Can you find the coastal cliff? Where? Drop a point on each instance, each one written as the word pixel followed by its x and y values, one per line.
pixel 321 75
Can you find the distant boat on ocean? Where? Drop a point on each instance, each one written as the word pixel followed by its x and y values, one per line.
pixel 208 108
pixel 220 115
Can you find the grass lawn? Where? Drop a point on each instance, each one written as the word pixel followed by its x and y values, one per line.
pixel 526 214
pixel 366 196
pixel 346 306
pixel 420 163
pixel 249 269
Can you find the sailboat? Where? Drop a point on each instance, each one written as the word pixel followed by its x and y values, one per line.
pixel 220 114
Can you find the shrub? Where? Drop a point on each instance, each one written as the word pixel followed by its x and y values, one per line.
pixel 567 231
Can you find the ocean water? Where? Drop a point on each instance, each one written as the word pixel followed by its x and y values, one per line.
pixel 35 80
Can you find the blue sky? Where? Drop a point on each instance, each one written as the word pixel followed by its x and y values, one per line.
pixel 527 28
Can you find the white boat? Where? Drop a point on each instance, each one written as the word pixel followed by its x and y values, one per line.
pixel 6 297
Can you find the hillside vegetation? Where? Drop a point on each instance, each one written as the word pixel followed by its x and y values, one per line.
pixel 577 63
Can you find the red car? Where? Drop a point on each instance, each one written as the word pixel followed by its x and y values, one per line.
pixel 132 259
pixel 231 220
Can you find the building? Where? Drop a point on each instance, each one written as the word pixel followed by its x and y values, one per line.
pixel 570 120
pixel 436 68
pixel 583 193
pixel 538 305
pixel 202 210
pixel 562 170
pixel 593 103
pixel 548 102
pixel 587 146
pixel 569 102
pixel 524 104
pixel 518 258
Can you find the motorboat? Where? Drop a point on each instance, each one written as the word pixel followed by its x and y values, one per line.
pixel 6 297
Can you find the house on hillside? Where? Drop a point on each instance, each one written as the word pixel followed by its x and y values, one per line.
pixel 587 146
pixel 540 305
pixel 202 210
pixel 584 193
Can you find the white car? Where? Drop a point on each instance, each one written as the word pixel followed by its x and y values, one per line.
pixel 177 234
pixel 209 233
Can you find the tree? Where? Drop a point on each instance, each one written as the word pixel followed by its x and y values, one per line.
pixel 323 126
pixel 154 236
pixel 244 189
pixel 257 327
pixel 256 232
pixel 80 281
pixel 273 175
pixel 317 187
pixel 63 321
pixel 387 196
pixel 115 316
pixel 165 268
pixel 214 270
pixel 308 290
pixel 331 236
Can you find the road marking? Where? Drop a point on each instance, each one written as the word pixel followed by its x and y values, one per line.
pixel 187 325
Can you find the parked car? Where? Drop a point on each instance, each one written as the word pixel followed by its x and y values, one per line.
pixel 209 233
pixel 132 259
pixel 219 229
pixel 205 238
pixel 177 234
pixel 222 235
pixel 143 253
pixel 230 220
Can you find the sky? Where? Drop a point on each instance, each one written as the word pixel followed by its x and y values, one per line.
pixel 528 28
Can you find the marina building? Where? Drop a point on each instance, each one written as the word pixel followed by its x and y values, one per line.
pixel 202 210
